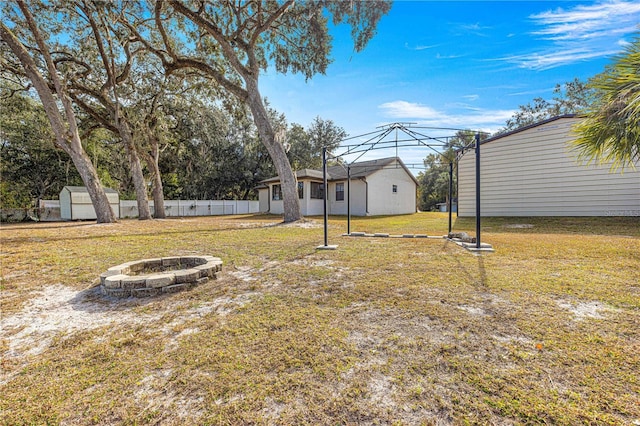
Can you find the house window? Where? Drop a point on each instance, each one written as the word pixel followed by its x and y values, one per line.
pixel 301 190
pixel 276 192
pixel 394 189
pixel 317 190
pixel 339 191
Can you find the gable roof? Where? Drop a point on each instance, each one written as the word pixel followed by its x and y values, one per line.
pixel 339 172
pixel 527 127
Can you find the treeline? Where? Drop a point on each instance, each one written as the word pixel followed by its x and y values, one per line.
pixel 205 152
pixel 147 94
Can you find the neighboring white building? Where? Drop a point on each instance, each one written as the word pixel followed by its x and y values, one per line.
pixel 378 187
pixel 534 171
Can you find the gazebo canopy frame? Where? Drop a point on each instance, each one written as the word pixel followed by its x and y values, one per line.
pixel 413 137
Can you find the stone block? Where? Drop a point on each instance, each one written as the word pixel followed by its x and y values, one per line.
pixel 380 234
pixel 217 265
pixel 118 292
pixel 191 261
pixel 119 269
pixel 136 266
pixel 144 292
pixel 170 261
pixel 104 275
pixel 407 236
pixel 135 281
pixel 174 288
pixel 160 280
pixel 187 275
pixel 114 281
pixel 151 263
pixel 206 270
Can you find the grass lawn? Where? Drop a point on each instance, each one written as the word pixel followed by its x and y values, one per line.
pixel 379 331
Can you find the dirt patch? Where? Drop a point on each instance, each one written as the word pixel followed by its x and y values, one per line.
pixel 584 310
pixel 60 310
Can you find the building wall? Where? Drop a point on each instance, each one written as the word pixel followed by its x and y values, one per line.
pixel 75 205
pixel 65 204
pixel 263 200
pixel 382 200
pixel 358 198
pixel 276 206
pixel 536 173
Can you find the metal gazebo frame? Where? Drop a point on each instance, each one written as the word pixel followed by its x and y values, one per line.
pixel 376 140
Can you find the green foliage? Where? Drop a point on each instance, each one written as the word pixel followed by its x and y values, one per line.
pixel 433 183
pixel 32 168
pixel 573 97
pixel 611 131
pixel 306 145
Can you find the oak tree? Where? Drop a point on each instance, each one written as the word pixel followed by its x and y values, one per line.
pixel 233 42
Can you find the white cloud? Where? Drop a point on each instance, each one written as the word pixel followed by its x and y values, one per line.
pixel 420 46
pixel 585 22
pixel 425 115
pixel 554 58
pixel 580 33
pixel 404 109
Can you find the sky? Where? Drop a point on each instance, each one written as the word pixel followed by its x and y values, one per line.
pixel 455 64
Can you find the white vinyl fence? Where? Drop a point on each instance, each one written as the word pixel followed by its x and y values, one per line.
pixel 49 210
pixel 182 208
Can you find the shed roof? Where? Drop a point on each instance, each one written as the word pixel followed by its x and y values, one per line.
pixel 83 189
pixel 527 127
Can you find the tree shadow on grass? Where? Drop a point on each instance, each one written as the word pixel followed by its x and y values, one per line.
pixel 478 276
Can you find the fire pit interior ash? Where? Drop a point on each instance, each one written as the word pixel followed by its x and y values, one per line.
pixel 150 277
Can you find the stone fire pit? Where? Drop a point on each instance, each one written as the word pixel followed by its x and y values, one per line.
pixel 150 277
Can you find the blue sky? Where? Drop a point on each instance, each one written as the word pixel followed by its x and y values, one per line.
pixel 456 64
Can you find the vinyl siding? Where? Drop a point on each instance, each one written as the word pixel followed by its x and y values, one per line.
pixel 535 173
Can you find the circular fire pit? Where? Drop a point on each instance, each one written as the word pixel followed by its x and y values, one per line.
pixel 150 277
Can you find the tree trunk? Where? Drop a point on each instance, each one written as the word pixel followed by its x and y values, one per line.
pixel 278 155
pixel 158 190
pixel 66 134
pixel 104 212
pixel 144 213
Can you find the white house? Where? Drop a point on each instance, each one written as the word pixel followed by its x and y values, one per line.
pixel 378 187
pixel 534 171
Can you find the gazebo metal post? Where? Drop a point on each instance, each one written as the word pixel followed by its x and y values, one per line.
pixel 348 199
pixel 477 190
pixel 449 204
pixel 324 182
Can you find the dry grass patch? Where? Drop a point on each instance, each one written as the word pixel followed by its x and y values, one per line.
pixel 380 331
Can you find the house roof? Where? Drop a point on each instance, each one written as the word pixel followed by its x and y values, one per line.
pixel 527 127
pixel 339 172
pixel 300 174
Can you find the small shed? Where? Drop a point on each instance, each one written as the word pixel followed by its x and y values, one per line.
pixel 75 203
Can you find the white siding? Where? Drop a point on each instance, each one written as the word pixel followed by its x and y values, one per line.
pixel 536 173
pixel 382 200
